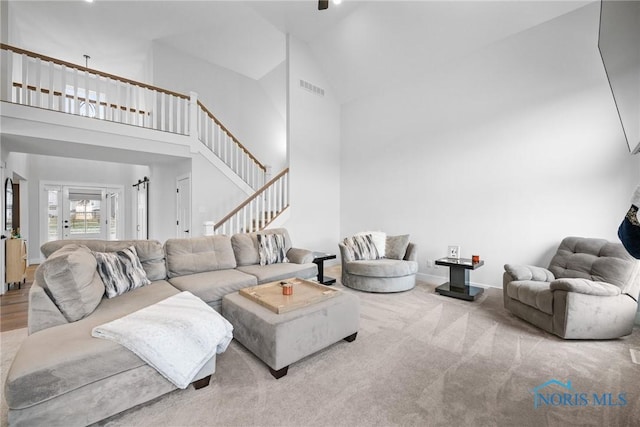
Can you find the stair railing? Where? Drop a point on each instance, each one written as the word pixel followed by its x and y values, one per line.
pixel 44 82
pixel 213 134
pixel 40 81
pixel 259 210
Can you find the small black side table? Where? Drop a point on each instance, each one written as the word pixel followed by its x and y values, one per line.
pixel 458 284
pixel 319 258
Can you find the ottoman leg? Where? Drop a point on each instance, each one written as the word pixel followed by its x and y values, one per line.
pixel 279 373
pixel 201 383
pixel 351 337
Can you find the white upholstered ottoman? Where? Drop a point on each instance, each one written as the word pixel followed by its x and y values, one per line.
pixel 282 339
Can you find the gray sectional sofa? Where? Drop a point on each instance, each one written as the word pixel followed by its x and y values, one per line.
pixel 61 375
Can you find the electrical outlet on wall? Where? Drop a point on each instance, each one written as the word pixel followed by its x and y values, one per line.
pixel 453 252
pixel 430 263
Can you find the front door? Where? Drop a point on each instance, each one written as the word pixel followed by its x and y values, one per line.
pixel 78 212
pixel 83 213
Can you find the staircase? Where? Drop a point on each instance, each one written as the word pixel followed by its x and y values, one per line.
pixel 39 81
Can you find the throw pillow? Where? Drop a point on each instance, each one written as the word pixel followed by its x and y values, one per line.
pixel 70 279
pixel 121 271
pixel 397 246
pixel 379 239
pixel 271 248
pixel 361 247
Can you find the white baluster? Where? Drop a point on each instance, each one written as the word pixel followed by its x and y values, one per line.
pixel 25 68
pixel 86 94
pixel 7 76
pixel 63 86
pixel 76 103
pixel 50 100
pixel 37 83
pixel 179 115
pixel 163 106
pixel 171 118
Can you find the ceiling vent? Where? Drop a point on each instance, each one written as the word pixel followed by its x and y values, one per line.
pixel 311 88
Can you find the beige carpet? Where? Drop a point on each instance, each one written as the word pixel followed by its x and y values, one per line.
pixel 420 359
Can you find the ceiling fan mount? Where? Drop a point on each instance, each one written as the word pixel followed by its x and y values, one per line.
pixel 323 4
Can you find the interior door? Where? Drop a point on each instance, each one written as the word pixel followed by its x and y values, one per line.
pixel 183 202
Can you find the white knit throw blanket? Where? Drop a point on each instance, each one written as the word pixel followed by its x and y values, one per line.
pixel 176 336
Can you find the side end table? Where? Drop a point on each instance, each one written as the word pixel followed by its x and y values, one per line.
pixel 458 285
pixel 319 258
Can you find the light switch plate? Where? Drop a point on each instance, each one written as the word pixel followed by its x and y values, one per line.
pixel 454 252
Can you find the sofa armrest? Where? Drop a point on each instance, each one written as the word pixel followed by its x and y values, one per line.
pixel 586 287
pixel 412 252
pixel 42 312
pixel 300 256
pixel 529 272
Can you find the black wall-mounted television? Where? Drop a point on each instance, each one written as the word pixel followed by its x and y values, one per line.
pixel 619 45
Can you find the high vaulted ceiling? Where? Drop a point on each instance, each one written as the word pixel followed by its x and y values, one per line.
pixel 362 46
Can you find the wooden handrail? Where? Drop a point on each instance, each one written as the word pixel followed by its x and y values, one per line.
pixel 250 199
pixel 80 98
pixel 242 147
pixel 90 70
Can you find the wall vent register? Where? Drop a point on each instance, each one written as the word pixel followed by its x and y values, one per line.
pixel 311 88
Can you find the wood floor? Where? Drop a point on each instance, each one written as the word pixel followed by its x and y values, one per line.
pixel 13 304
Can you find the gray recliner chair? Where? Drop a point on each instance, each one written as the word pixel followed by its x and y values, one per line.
pixel 589 291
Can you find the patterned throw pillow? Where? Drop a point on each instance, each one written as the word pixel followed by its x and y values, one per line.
pixel 379 239
pixel 271 248
pixel 361 247
pixel 121 271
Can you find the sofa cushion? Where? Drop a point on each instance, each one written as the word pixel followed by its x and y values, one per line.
pixel 121 271
pixel 532 293
pixel 396 246
pixel 70 278
pixel 271 248
pixel 73 357
pixel 245 245
pixel 273 272
pixel 382 268
pixel 198 255
pixel 150 252
pixel 211 286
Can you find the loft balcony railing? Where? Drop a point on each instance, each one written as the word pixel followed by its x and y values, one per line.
pixel 259 210
pixel 40 81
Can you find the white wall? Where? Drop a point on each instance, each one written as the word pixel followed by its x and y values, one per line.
pixel 243 105
pixel 213 194
pixel 503 153
pixel 314 153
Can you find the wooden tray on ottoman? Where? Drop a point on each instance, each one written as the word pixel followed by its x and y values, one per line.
pixel 305 293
